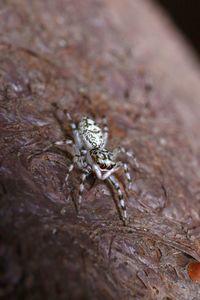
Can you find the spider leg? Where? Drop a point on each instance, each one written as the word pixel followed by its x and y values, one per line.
pixel 57 143
pixel 127 174
pixel 81 155
pixel 110 172
pixel 73 126
pixel 122 205
pixel 76 160
pixel 102 176
pixel 70 169
pixel 81 187
pixel 75 131
pixel 129 154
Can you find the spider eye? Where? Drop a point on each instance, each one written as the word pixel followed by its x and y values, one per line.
pixel 110 167
pixel 103 166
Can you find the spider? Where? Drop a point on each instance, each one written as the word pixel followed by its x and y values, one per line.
pixel 91 156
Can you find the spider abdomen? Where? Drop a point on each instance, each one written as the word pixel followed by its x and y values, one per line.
pixel 91 134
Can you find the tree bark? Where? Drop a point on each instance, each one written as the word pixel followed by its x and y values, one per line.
pixel 119 58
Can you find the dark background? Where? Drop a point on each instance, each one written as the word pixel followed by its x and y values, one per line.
pixel 186 15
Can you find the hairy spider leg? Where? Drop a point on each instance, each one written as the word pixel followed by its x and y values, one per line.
pixel 70 169
pixel 122 205
pixel 57 143
pixel 76 160
pixel 81 187
pixel 129 154
pixel 76 136
pixel 78 146
pixel 127 174
pixel 97 170
pixel 110 172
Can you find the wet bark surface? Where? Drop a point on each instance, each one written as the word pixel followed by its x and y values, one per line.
pixel 122 59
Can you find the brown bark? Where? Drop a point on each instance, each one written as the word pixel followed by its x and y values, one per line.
pixel 122 58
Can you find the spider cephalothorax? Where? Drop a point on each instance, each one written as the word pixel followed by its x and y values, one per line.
pixel 103 158
pixel 91 156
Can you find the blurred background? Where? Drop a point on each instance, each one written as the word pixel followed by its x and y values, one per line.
pixel 186 15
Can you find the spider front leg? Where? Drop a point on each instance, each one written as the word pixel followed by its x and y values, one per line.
pixel 122 205
pixel 102 175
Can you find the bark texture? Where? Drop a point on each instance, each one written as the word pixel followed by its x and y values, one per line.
pixel 125 60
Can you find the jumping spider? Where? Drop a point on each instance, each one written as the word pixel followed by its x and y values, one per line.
pixel 91 156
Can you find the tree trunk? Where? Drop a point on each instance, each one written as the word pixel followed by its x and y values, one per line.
pixel 119 58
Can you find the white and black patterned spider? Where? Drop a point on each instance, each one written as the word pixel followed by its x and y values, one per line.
pixel 91 156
